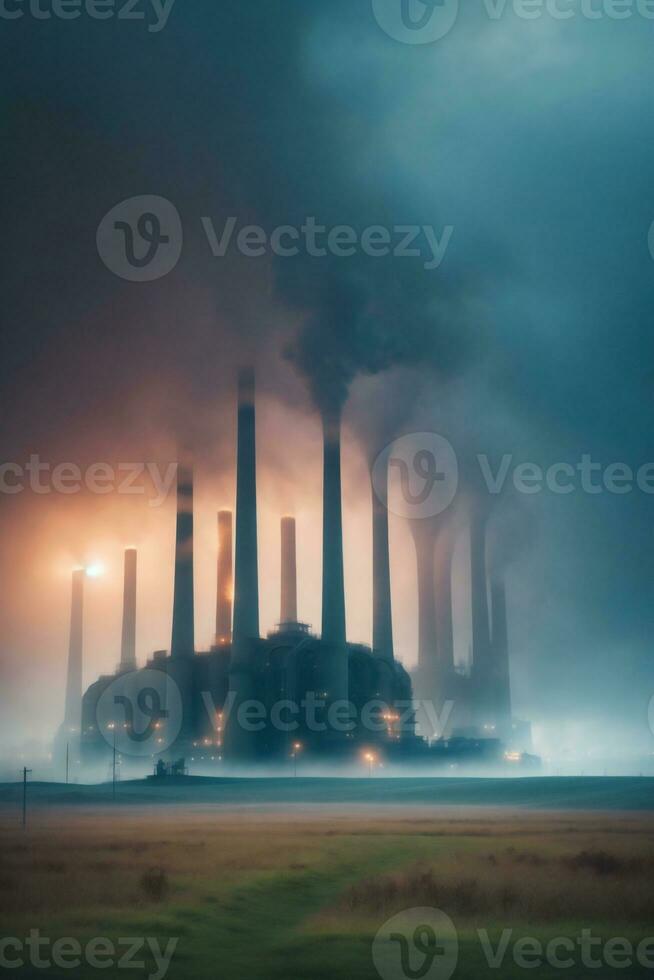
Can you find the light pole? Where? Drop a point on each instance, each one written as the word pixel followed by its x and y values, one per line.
pixel 297 746
pixel 370 758
pixel 67 752
pixel 26 772
pixel 112 726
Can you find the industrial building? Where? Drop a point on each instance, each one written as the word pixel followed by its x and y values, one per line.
pixel 253 699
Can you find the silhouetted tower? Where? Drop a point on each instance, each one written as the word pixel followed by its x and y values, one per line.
pixel 183 636
pixel 382 615
pixel 246 588
pixel 225 587
pixel 73 708
pixel 335 679
pixel 128 640
pixel 288 604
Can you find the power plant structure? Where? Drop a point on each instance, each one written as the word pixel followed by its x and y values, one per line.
pixel 256 700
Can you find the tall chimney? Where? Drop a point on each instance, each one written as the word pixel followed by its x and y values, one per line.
pixel 246 591
pixel 225 587
pixel 288 610
pixel 481 642
pixel 502 673
pixel 333 584
pixel 382 616
pixel 128 641
pixel 444 621
pixel 73 710
pixel 183 637
pixel 424 541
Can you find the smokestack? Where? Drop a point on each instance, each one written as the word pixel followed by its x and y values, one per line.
pixel 246 591
pixel 225 589
pixel 502 673
pixel 183 637
pixel 73 710
pixel 382 617
pixel 240 741
pixel 128 641
pixel 288 610
pixel 481 643
pixel 424 541
pixel 444 623
pixel 333 585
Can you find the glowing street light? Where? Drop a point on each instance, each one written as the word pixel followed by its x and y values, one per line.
pixel 297 747
pixel 95 570
pixel 370 758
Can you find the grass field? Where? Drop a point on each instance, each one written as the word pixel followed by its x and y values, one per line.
pixel 278 895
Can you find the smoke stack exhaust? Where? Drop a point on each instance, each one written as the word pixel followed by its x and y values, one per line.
pixel 128 640
pixel 382 616
pixel 288 609
pixel 225 588
pixel 183 636
pixel 246 591
pixel 73 709
pixel 333 582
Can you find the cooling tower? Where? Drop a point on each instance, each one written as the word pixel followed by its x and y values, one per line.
pixel 225 580
pixel 73 710
pixel 246 587
pixel 382 617
pixel 128 640
pixel 288 605
pixel 183 637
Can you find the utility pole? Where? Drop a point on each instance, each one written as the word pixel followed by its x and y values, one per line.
pixel 67 748
pixel 113 777
pixel 26 773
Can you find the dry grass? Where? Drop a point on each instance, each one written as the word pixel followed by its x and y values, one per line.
pixel 529 866
pixel 551 880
